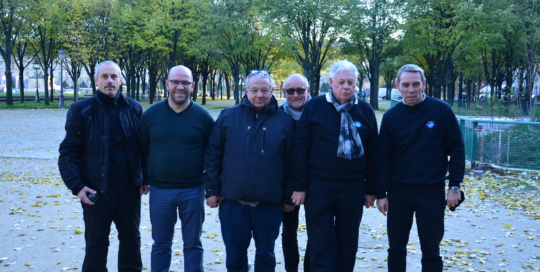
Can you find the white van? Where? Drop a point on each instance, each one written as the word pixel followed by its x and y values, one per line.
pixel 394 94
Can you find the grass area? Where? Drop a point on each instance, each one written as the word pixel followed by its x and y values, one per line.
pixel 216 104
pixel 28 105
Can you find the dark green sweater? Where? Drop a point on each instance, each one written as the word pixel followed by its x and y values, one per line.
pixel 175 144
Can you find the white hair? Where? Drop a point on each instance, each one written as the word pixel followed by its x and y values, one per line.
pixel 342 66
pixel 410 68
pixel 286 82
pixel 96 74
pixel 260 75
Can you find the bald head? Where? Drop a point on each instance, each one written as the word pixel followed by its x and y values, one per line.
pixel 180 69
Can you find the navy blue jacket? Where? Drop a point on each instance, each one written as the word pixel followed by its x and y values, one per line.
pixel 84 152
pixel 248 156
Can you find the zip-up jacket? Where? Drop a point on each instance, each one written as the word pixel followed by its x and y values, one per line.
pixel 84 152
pixel 248 156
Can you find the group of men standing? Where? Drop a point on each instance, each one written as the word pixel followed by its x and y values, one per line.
pixel 258 163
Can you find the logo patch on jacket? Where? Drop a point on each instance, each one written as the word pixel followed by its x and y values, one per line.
pixel 357 124
pixel 430 124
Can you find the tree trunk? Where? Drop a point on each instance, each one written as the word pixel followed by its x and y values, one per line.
pixel 228 85
pixel 236 78
pixel 374 86
pixel 219 85
pixel 204 74
pixel 21 83
pixel 51 80
pixel 46 85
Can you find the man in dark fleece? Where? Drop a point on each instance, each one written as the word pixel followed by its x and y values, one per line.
pixel 174 134
pixel 415 140
pixel 247 164
pixel 334 161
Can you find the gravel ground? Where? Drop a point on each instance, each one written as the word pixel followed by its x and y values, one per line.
pixel 39 216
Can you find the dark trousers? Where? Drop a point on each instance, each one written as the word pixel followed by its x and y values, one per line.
pixel 427 203
pixel 289 242
pixel 239 223
pixel 121 205
pixel 333 214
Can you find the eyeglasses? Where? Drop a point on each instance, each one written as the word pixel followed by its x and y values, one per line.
pixel 175 83
pixel 256 72
pixel 300 91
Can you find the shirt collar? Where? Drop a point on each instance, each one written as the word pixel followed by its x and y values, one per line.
pixel 423 98
pixel 329 99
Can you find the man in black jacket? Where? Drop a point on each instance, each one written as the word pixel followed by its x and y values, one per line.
pixel 296 91
pixel 417 137
pixel 334 161
pixel 100 155
pixel 247 164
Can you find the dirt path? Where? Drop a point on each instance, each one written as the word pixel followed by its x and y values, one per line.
pixel 39 216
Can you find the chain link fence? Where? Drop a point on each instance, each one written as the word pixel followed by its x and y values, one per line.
pixel 509 144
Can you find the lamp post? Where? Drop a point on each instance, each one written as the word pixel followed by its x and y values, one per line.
pixel 36 67
pixel 61 56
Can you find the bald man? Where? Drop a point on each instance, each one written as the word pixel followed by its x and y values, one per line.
pixel 174 133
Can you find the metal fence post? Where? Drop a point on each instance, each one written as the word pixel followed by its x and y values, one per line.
pixel 474 137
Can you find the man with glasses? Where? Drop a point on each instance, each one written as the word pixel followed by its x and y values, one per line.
pixel 247 164
pixel 174 134
pixel 296 90
pixel 334 161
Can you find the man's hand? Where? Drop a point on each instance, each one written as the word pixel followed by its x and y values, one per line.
pixel 288 208
pixel 144 189
pixel 83 197
pixel 298 198
pixel 370 200
pixel 453 198
pixel 213 201
pixel 382 204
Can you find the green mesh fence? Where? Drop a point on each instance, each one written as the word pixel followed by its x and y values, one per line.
pixel 513 110
pixel 510 144
pixel 499 132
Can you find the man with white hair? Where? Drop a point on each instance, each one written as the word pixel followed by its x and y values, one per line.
pixel 416 139
pixel 296 90
pixel 101 163
pixel 334 161
pixel 247 164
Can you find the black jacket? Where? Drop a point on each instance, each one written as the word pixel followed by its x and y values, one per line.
pixel 248 156
pixel 84 152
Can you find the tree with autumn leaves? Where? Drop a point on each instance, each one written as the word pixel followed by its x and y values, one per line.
pixel 221 41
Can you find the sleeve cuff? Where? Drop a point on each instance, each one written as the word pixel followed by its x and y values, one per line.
pixel 300 187
pixel 454 183
pixel 212 192
pixel 78 188
pixel 287 200
pixel 369 191
pixel 381 195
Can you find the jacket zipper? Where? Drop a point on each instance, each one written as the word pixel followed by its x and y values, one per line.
pixel 264 137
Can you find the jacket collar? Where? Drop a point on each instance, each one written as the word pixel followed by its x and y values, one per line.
pixel 268 109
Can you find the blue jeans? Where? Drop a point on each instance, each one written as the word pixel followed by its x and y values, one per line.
pixel 241 222
pixel 163 205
